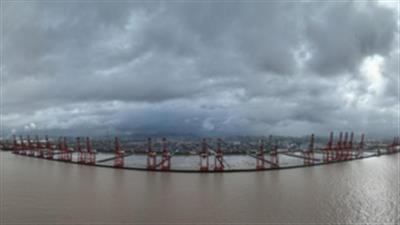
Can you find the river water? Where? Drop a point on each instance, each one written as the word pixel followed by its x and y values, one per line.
pixel 37 191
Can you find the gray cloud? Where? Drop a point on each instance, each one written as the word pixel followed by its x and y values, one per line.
pixel 340 35
pixel 200 68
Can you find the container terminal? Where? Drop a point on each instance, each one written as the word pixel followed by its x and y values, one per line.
pixel 205 155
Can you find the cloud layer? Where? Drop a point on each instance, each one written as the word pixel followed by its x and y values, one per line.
pixel 200 68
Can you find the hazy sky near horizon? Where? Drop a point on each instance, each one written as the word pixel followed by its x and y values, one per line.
pixel 212 67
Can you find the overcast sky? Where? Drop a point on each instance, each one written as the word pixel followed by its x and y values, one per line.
pixel 207 68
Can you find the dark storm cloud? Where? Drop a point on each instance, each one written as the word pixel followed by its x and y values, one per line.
pixel 340 35
pixel 199 67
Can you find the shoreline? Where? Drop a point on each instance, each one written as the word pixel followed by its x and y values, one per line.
pixel 210 170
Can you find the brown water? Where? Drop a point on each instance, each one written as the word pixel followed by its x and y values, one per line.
pixel 36 191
